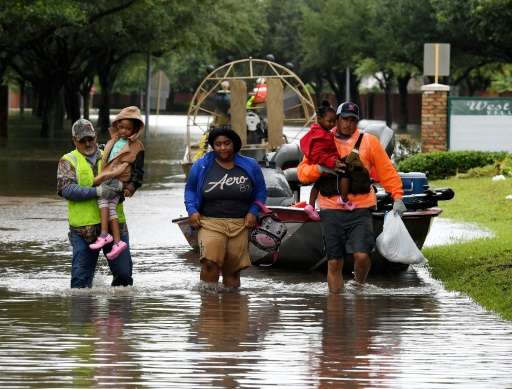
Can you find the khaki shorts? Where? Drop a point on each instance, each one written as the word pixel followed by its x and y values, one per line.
pixel 225 242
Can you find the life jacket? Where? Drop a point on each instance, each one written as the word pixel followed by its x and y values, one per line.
pixel 358 175
pixel 86 212
pixel 260 93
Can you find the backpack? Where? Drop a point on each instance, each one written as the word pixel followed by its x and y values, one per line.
pixel 268 234
pixel 359 176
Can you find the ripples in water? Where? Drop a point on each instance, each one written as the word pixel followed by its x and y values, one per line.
pixel 281 329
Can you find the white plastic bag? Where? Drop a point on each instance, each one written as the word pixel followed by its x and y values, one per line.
pixel 395 244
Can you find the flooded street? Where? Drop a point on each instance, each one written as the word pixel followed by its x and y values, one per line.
pixel 281 329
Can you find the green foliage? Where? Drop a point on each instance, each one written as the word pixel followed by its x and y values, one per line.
pixel 228 29
pixel 502 80
pixel 284 20
pixel 442 164
pixel 333 36
pixel 503 167
pixel 484 171
pixel 406 146
pixel 476 27
pixel 481 268
pixel 506 166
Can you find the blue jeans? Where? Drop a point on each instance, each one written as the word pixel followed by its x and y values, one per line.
pixel 85 260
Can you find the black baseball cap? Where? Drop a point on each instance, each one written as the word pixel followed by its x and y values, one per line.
pixel 348 109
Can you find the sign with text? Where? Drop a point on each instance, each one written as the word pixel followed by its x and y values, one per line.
pixel 482 107
pixel 483 124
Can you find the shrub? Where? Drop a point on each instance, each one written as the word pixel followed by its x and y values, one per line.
pixel 503 167
pixel 484 171
pixel 405 147
pixel 442 164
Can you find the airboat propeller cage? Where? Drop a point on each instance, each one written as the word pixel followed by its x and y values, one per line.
pixel 287 102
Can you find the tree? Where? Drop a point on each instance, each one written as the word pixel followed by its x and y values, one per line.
pixel 394 50
pixel 23 24
pixel 479 32
pixel 481 28
pixel 333 37
pixel 284 19
pixel 502 79
pixel 56 60
pixel 225 30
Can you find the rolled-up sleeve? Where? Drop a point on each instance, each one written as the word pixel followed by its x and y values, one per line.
pixel 307 173
pixel 67 184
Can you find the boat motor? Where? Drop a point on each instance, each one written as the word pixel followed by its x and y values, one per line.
pixel 417 201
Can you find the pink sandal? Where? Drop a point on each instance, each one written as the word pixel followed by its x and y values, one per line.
pixel 101 241
pixel 346 204
pixel 311 212
pixel 117 249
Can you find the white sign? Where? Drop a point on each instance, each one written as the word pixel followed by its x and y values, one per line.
pixel 480 124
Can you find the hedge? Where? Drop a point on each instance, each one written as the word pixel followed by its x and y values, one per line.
pixel 442 164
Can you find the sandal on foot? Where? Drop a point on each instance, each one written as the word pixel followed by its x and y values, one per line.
pixel 311 212
pixel 349 205
pixel 101 241
pixel 117 249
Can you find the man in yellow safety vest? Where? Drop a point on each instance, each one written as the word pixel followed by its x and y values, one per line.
pixel 75 175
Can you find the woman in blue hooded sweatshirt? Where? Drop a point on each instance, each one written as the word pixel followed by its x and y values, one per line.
pixel 220 196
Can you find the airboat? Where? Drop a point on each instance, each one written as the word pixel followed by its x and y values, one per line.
pixel 270 107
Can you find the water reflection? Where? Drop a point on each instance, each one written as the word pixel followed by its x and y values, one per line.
pixel 223 327
pixel 104 355
pixel 354 348
pixel 65 342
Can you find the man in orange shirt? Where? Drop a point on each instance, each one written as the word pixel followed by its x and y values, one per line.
pixel 351 232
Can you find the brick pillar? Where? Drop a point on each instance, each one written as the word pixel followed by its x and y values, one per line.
pixel 434 117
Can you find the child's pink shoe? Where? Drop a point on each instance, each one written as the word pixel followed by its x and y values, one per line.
pixel 346 204
pixel 312 214
pixel 117 249
pixel 101 241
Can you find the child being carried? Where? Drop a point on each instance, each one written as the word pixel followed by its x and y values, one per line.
pixel 119 155
pixel 319 148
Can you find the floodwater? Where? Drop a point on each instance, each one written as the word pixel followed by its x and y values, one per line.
pixel 281 329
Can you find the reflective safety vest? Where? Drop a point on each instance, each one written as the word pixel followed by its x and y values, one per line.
pixel 86 212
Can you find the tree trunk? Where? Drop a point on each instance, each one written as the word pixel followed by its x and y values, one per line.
pixel 170 100
pixel 104 108
pixel 37 110
pixel 52 111
pixel 340 82
pixel 388 77
pixel 72 102
pixel 471 88
pixel 57 114
pixel 87 105
pixel 404 112
pixel 318 90
pixel 85 91
pixel 4 109
pixel 354 90
pixel 22 97
pixel 387 106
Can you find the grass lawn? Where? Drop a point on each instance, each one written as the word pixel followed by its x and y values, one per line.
pixel 481 268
